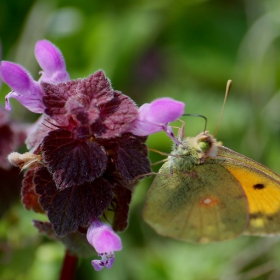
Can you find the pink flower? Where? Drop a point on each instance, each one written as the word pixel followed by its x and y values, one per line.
pixel 27 91
pixel 155 116
pixel 105 241
pixel 24 88
pixel 52 62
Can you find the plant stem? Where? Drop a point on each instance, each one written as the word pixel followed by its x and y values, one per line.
pixel 69 266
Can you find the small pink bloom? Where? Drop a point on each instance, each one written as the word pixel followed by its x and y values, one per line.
pixel 105 241
pixel 52 62
pixel 155 116
pixel 27 91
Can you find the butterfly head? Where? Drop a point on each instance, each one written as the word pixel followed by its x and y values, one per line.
pixel 207 144
pixel 194 150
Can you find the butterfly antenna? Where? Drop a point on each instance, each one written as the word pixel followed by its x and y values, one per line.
pixel 157 151
pixel 224 104
pixel 200 116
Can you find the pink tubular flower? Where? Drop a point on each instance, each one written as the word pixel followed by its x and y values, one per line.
pixel 105 242
pixel 52 62
pixel 155 116
pixel 27 91
pixel 24 88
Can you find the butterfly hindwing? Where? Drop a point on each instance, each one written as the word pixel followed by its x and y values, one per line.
pixel 262 189
pixel 204 205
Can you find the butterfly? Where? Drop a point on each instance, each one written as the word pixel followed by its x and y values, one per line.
pixel 206 192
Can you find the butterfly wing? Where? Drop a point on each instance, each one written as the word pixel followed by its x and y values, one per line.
pixel 262 188
pixel 204 205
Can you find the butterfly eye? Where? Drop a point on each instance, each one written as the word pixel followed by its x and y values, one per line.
pixel 204 146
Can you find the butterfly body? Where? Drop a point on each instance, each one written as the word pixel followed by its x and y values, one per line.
pixel 206 192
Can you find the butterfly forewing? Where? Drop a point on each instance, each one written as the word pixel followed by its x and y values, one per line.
pixel 204 205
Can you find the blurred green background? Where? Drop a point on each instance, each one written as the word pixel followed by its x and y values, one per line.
pixel 184 49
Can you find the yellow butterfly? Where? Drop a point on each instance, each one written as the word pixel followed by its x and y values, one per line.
pixel 206 192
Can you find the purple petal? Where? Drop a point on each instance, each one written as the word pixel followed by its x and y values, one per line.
pixel 52 62
pixel 110 262
pixel 140 126
pixel 106 260
pixel 164 110
pixel 97 265
pixel 27 91
pixel 15 76
pixel 155 116
pixel 103 238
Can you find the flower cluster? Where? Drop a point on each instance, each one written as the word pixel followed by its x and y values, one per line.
pixel 85 149
pixel 105 242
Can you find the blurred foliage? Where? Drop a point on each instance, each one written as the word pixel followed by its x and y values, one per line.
pixel 184 49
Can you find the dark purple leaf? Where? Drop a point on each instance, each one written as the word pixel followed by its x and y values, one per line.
pixel 55 98
pixel 72 207
pixel 45 228
pixel 99 88
pixel 72 161
pixel 30 199
pixel 63 100
pixel 122 200
pixel 82 117
pixel 130 157
pixel 97 128
pixel 116 116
